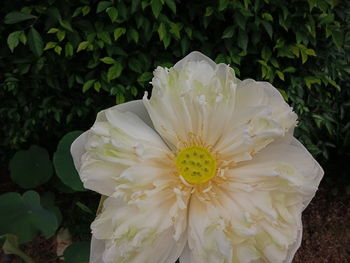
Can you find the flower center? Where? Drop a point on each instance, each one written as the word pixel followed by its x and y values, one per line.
pixel 196 164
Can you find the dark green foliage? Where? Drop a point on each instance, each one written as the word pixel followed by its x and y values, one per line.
pixel 63 162
pixel 25 216
pixel 62 61
pixel 31 168
pixel 77 253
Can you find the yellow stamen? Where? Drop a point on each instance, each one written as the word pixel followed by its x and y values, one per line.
pixel 196 164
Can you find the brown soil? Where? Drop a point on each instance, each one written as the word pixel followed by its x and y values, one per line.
pixel 326 229
pixel 326 235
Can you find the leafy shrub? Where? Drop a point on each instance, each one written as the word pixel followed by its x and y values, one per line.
pixel 61 54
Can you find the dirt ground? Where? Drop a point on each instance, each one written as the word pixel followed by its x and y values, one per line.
pixel 326 236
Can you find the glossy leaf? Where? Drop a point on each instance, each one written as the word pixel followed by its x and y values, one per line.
pixel 13 40
pixel 16 17
pixel 63 161
pixel 25 217
pixel 35 42
pixel 156 7
pixel 77 253
pixel 31 168
pixel 114 71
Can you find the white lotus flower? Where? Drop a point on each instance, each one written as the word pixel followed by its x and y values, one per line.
pixel 206 170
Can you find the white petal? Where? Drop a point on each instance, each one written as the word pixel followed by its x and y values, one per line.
pixel 207 238
pixel 188 98
pixel 97 248
pixel 136 107
pixel 196 95
pixel 100 176
pixel 117 140
pixel 194 56
pixel 283 178
pixel 286 161
pixel 129 234
pixel 78 149
pixel 260 117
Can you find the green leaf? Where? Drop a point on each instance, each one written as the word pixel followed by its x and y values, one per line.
pixel 108 60
pixel 25 217
pixel 161 31
pixel 50 45
pixel 114 71
pixel 13 40
pixel 135 65
pixel 23 37
pixel 68 50
pixel 175 29
pixel 268 28
pixel 105 37
pixel 156 6
pixel 53 30
pixel 48 202
pixel 103 5
pixel 240 20
pixel 97 86
pixel 66 25
pixel 209 11
pixel 11 246
pixel 119 32
pixel 15 17
pixel 54 13
pixel 171 4
pixel 284 94
pixel 242 40
pixel 280 74
pixel 77 253
pixel 338 38
pixel 61 35
pixel 266 53
pixel 134 5
pixel 310 80
pixel 228 33
pixel 83 45
pixel 63 162
pixel 85 10
pixel 222 5
pixel 145 77
pixel 310 52
pixel 267 17
pixel 31 168
pixel 134 35
pixel 88 84
pixel 166 41
pixel 35 42
pixel 112 13
pixel 134 91
pixel 84 207
pixel 119 98
pixel 289 70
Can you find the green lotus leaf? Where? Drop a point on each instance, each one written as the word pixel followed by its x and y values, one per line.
pixel 25 217
pixel 31 167
pixel 77 253
pixel 63 162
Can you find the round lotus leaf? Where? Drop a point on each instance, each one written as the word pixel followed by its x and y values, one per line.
pixel 25 217
pixel 63 162
pixel 31 168
pixel 77 253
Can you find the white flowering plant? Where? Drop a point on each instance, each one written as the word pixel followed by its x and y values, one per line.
pixel 206 170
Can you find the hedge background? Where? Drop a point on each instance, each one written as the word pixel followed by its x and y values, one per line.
pixel 61 61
